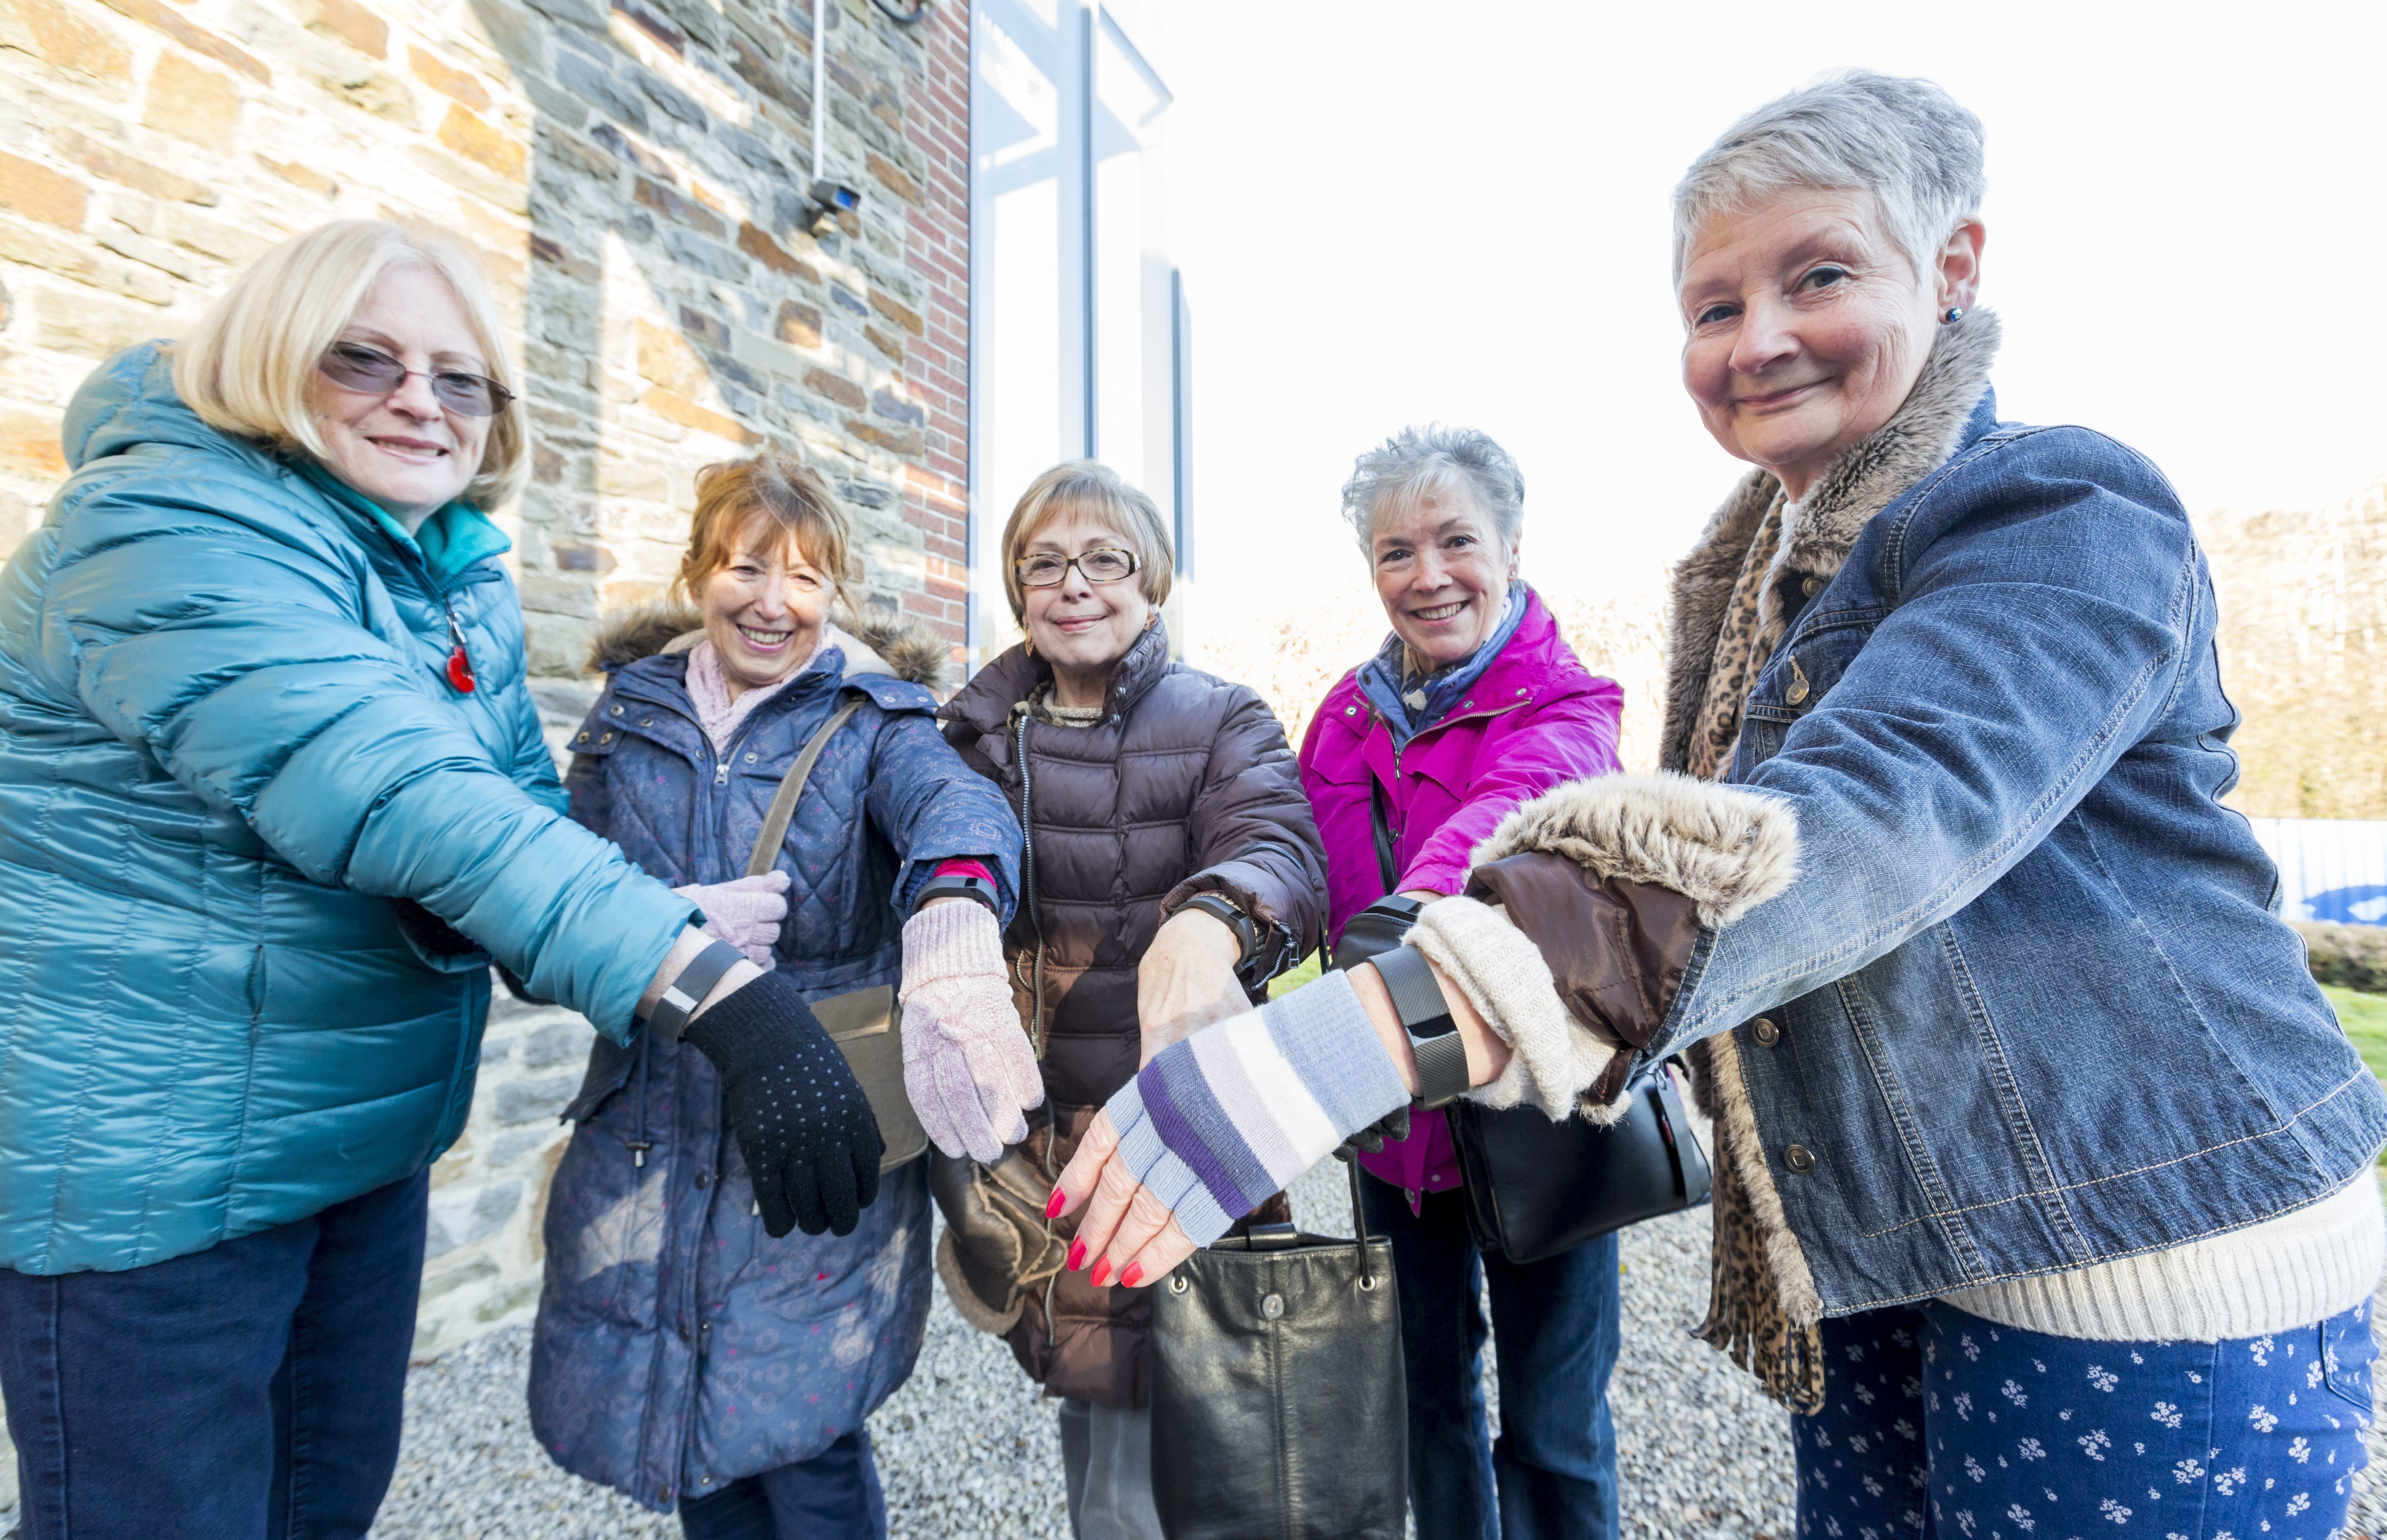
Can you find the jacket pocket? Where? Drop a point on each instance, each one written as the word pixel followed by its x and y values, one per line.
pixel 2347 1356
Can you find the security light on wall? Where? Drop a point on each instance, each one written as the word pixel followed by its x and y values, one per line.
pixel 827 201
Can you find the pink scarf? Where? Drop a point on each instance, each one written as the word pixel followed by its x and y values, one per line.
pixel 708 690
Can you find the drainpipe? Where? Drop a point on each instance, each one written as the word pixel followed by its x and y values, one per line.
pixel 820 89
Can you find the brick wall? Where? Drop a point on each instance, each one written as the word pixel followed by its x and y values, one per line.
pixel 634 178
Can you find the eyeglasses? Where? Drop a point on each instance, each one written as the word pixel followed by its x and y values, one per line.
pixel 353 366
pixel 1104 565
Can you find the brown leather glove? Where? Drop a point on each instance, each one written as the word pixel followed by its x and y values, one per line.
pixel 1616 949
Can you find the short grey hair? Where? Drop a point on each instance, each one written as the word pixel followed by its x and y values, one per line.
pixel 1904 140
pixel 1418 464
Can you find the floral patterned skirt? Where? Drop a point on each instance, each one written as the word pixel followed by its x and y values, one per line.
pixel 1999 1433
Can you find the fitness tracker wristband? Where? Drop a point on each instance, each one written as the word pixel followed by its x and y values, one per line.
pixel 683 994
pixel 1425 1017
pixel 1223 910
pixel 958 885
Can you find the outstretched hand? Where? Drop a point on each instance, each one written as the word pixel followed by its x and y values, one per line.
pixel 1127 1236
pixel 1187 981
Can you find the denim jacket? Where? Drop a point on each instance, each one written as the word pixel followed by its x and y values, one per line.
pixel 2028 1004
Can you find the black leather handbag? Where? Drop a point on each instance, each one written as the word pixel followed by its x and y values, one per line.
pixel 1536 1188
pixel 1279 1409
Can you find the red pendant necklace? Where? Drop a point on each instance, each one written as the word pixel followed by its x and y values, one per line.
pixel 460 662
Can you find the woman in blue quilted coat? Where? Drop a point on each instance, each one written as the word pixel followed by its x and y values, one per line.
pixel 683 1354
pixel 272 797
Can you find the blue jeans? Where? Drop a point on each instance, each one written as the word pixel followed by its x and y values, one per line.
pixel 1552 1473
pixel 252 1391
pixel 1939 1423
pixel 833 1495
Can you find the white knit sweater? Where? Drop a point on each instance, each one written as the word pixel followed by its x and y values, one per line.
pixel 2303 1267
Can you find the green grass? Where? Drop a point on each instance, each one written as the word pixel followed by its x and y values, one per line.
pixel 2364 1019
pixel 2364 1016
pixel 1307 972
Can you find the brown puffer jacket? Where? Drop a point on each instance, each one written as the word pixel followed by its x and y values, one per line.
pixel 1186 786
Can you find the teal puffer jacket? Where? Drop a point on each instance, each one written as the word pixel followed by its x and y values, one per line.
pixel 238 794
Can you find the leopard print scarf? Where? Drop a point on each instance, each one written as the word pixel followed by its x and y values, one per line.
pixel 1728 618
pixel 1746 1321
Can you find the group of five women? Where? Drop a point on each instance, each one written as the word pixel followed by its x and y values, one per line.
pixel 2043 1181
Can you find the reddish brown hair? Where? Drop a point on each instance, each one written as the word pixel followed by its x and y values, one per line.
pixel 733 496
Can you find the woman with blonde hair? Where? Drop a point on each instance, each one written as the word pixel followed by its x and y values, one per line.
pixel 273 797
pixel 1172 870
pixel 711 1364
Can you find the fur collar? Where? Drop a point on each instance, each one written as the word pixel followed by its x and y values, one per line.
pixel 1818 531
pixel 901 647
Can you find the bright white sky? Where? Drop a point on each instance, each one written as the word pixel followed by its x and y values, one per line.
pixel 1390 211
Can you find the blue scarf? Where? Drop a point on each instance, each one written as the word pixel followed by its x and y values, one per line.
pixel 1410 703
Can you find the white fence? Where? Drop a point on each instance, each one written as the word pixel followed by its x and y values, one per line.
pixel 2329 869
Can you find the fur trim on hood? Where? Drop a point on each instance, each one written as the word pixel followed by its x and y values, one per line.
pixel 1817 530
pixel 1725 849
pixel 903 647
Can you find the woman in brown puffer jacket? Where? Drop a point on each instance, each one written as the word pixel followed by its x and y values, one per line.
pixel 1172 870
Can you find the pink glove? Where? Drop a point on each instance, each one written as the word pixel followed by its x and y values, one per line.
pixel 746 913
pixel 967 1063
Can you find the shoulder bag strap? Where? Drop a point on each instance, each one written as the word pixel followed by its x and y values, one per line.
pixel 1388 867
pixel 783 805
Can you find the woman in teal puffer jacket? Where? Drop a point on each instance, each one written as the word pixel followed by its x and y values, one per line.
pixel 272 797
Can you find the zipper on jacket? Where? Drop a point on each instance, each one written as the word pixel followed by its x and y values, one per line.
pixel 1028 886
pixel 641 1144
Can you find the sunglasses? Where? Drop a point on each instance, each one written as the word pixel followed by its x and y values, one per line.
pixel 353 366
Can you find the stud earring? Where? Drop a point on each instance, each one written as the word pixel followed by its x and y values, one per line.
pixel 1953 316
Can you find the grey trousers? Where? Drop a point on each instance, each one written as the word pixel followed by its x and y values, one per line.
pixel 1106 1460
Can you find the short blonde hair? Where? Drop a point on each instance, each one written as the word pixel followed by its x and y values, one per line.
pixel 1091 487
pixel 247 368
pixel 734 495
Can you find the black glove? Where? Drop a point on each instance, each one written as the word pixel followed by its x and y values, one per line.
pixel 811 1144
pixel 1370 933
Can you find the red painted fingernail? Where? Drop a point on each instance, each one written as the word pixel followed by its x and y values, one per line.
pixel 1133 1276
pixel 1102 1270
pixel 1053 1209
pixel 1077 1255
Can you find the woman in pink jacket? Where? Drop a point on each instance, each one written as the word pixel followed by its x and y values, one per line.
pixel 1474 704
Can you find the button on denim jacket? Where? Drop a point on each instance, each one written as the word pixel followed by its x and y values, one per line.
pixel 2029 1003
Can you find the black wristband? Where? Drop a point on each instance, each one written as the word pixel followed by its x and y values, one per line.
pixel 1223 910
pixel 958 885
pixel 683 994
pixel 1426 1016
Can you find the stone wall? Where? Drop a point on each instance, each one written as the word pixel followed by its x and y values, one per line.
pixel 634 178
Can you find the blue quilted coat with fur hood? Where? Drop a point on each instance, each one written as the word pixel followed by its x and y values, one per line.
pixel 678 1347
pixel 238 795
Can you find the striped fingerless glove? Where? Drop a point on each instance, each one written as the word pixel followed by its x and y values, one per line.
pixel 1216 1124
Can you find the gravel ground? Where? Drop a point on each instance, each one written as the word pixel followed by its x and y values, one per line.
pixel 968 1449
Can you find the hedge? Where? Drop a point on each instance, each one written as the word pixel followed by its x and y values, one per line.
pixel 2351 957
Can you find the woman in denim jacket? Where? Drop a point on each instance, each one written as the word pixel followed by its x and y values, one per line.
pixel 2046 1185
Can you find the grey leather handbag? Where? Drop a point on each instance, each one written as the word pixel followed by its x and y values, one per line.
pixel 1279 1409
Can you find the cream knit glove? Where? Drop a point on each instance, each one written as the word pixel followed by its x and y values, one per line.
pixel 1553 1059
